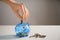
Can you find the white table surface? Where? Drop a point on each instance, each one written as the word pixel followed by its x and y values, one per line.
pixel 7 32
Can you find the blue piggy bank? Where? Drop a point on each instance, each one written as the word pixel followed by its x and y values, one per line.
pixel 22 29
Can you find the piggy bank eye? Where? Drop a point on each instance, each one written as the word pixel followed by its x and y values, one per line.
pixel 23 27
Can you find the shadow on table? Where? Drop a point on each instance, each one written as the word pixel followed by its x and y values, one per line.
pixel 8 37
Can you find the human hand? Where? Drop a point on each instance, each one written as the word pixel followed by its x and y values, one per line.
pixel 16 7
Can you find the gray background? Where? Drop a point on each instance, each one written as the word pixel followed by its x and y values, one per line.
pixel 41 12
